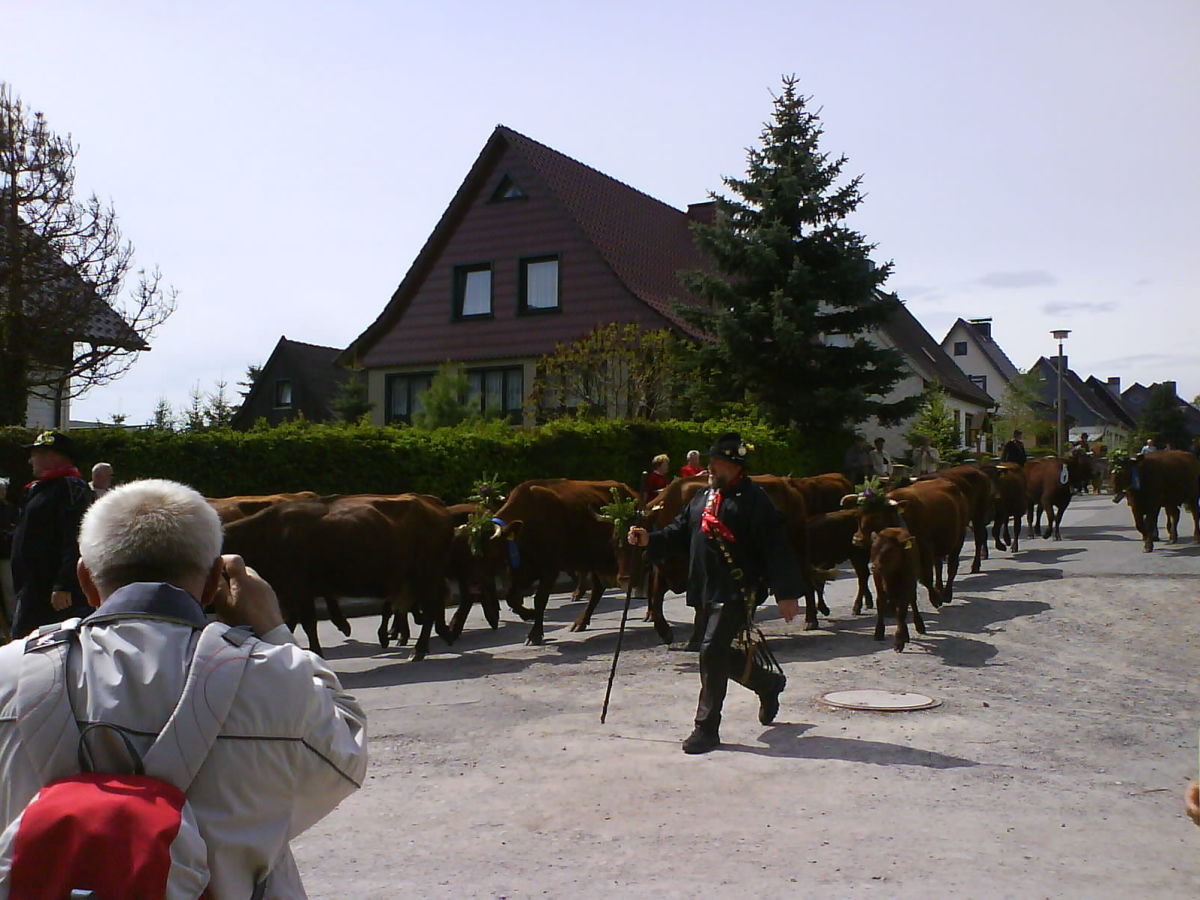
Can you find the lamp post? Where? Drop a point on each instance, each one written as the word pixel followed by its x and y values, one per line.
pixel 1060 336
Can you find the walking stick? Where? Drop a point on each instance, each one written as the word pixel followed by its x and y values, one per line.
pixel 612 673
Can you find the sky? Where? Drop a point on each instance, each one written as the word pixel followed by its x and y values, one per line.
pixel 283 163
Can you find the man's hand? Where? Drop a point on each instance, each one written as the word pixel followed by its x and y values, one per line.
pixel 60 600
pixel 1191 801
pixel 638 537
pixel 789 607
pixel 245 598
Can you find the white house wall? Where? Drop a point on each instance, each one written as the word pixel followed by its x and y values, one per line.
pixel 975 362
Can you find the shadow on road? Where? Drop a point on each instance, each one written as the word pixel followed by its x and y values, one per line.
pixel 787 740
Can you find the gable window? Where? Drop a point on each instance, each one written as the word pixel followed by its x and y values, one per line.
pixel 539 284
pixel 403 396
pixel 283 392
pixel 473 291
pixel 980 381
pixel 960 348
pixel 507 189
pixel 498 391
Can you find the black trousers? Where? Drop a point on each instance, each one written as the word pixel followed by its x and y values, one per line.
pixel 720 661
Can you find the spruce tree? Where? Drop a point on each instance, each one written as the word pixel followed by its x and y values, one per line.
pixel 795 290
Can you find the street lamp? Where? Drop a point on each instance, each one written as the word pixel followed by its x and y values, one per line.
pixel 1060 336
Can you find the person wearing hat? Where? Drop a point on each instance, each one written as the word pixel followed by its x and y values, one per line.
pixel 732 521
pixel 46 540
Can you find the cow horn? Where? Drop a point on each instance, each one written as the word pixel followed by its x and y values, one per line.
pixel 892 502
pixel 497 532
pixel 849 501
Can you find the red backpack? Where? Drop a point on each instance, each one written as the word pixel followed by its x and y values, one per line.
pixel 112 836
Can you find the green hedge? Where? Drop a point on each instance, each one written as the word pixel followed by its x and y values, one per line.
pixel 445 462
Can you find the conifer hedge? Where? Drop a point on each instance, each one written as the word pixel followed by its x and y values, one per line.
pixel 444 462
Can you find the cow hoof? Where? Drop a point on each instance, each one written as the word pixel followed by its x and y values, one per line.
pixel 383 640
pixel 822 608
pixel 665 634
pixel 811 626
pixel 975 569
pixel 899 648
pixel 579 626
pixel 534 640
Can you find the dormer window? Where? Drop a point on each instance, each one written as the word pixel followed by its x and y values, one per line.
pixel 283 393
pixel 473 291
pixel 507 189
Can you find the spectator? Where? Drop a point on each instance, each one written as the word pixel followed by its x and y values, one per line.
pixel 293 744
pixel 881 463
pixel 45 548
pixel 656 478
pixel 856 463
pixel 925 457
pixel 8 521
pixel 102 474
pixel 1014 450
pixel 692 467
pixel 1148 447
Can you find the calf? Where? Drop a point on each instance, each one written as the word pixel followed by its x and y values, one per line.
pixel 895 562
pixel 935 512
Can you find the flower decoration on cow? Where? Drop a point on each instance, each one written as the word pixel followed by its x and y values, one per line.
pixel 871 494
pixel 489 492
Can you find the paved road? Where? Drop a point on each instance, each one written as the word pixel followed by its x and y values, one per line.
pixel 1053 767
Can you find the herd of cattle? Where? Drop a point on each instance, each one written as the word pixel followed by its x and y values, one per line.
pixel 408 548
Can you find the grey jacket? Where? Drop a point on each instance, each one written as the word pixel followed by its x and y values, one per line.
pixel 293 746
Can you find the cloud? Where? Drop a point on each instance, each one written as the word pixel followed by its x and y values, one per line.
pixel 926 293
pixel 1026 279
pixel 1145 359
pixel 1059 307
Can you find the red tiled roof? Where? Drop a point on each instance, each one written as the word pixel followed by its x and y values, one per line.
pixel 644 241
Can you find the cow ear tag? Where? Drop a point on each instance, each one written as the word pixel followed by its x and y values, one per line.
pixel 908 544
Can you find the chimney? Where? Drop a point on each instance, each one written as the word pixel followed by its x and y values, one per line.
pixel 704 212
pixel 1114 386
pixel 983 326
pixel 1171 386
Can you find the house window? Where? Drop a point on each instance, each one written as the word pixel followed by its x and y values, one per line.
pixel 539 284
pixel 980 381
pixel 499 392
pixel 473 291
pixel 507 189
pixel 283 392
pixel 960 348
pixel 404 396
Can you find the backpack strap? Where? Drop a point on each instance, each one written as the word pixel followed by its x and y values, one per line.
pixel 212 683
pixel 45 720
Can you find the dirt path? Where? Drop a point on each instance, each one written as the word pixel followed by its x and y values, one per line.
pixel 1054 767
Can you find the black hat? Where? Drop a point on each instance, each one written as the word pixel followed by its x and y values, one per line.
pixel 54 440
pixel 731 448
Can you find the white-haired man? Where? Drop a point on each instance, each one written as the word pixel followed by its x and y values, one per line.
pixel 102 476
pixel 293 744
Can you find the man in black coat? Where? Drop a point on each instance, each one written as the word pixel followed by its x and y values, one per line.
pixel 733 520
pixel 45 545
pixel 1014 450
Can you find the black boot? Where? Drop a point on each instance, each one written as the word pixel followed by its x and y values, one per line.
pixel 701 741
pixel 768 702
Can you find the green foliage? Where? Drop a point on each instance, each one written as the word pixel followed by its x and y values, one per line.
pixel 796 291
pixel 1021 409
pixel 448 401
pixel 163 418
pixel 359 458
pixel 618 370
pixel 1163 419
pixel 935 420
pixel 622 512
pixel 349 402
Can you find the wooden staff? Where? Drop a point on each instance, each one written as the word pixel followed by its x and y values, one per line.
pixel 612 673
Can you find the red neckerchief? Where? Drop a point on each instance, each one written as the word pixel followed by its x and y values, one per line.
pixel 710 523
pixel 67 471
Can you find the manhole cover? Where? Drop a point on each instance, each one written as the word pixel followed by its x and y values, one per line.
pixel 888 701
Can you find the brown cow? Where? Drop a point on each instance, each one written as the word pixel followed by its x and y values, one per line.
pixel 936 513
pixel 1163 479
pixel 550 526
pixel 895 561
pixel 823 493
pixel 233 509
pixel 830 542
pixel 1047 489
pixel 395 547
pixel 1008 481
pixel 977 487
